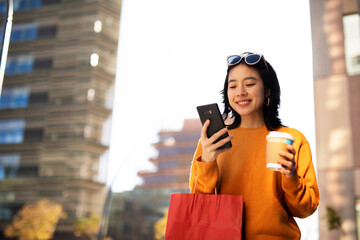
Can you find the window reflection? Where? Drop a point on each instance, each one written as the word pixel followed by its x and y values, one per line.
pixel 352 43
pixel 19 64
pixel 16 97
pixel 9 164
pixel 24 32
pixel 12 131
pixel 20 5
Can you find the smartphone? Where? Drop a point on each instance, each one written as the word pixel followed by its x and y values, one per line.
pixel 212 112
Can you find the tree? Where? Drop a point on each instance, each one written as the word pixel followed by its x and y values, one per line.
pixel 35 221
pixel 88 226
pixel 160 226
pixel 333 219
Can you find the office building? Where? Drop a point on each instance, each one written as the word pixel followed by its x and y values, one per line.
pixel 56 106
pixel 336 64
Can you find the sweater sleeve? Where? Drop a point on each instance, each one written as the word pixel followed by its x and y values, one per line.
pixel 301 193
pixel 204 175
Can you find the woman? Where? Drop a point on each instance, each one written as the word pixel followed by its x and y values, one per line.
pixel 272 199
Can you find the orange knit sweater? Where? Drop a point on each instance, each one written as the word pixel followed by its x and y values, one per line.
pixel 271 200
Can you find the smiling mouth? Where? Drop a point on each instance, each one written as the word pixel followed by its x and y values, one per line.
pixel 243 102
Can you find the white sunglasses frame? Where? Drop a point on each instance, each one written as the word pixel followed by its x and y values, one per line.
pixel 244 56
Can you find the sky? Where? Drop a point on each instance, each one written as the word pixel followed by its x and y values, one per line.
pixel 172 58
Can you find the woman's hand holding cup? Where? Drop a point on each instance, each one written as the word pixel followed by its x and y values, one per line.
pixel 288 163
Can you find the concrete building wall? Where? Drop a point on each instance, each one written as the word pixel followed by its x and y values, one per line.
pixel 336 113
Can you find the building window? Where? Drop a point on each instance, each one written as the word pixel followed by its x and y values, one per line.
pixel 24 32
pixel 9 164
pixel 7 196
pixel 352 43
pixel 19 64
pixel 42 64
pixel 5 212
pixel 38 98
pixel 47 32
pixel 50 2
pixel 12 131
pixel 15 97
pixel 25 64
pixel 30 32
pixel 20 5
pixel 28 172
pixel 33 135
pixel 26 4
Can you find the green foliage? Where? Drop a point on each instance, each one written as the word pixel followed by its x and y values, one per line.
pixel 333 219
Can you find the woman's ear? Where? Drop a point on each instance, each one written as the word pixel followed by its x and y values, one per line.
pixel 267 93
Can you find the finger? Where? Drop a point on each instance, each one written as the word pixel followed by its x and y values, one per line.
pixel 204 129
pixel 286 155
pixel 286 172
pixel 223 141
pixel 291 149
pixel 218 134
pixel 283 170
pixel 286 164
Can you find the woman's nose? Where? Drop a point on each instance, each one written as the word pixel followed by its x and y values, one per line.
pixel 241 91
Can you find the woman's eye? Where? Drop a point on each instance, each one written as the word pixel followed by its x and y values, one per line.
pixel 232 87
pixel 250 84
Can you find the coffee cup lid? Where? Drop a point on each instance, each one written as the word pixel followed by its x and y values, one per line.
pixel 275 134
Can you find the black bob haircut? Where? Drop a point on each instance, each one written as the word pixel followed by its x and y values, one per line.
pixel 271 83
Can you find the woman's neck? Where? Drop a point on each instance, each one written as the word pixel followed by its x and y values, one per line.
pixel 252 121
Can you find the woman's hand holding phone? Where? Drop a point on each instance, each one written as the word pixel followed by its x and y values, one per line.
pixel 210 150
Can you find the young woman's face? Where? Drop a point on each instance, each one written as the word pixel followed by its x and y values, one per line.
pixel 246 92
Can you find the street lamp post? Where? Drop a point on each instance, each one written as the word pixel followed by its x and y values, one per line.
pixel 6 40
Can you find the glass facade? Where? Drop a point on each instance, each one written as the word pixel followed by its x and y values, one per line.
pixel 5 213
pixel 9 165
pixel 7 210
pixel 352 43
pixel 20 5
pixel 16 97
pixel 19 64
pixel 24 32
pixel 12 131
pixel 56 108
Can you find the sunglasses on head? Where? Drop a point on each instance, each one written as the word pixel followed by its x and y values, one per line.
pixel 249 58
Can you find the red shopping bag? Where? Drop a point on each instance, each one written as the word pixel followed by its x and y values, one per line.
pixel 204 216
